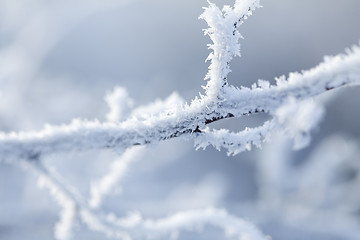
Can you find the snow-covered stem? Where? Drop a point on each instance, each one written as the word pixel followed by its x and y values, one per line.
pixel 74 206
pixel 168 120
pixel 334 72
pixel 64 197
pixel 234 142
pixel 225 37
pixel 134 226
pixel 190 220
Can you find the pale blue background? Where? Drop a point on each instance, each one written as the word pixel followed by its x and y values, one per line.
pixel 59 58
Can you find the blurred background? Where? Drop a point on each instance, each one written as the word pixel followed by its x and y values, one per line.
pixel 58 59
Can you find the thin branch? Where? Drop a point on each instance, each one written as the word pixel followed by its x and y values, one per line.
pixel 220 102
pixel 335 72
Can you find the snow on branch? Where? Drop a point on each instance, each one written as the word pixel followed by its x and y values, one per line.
pixel 288 102
pixel 64 228
pixel 234 142
pixel 134 226
pixel 225 37
pixel 334 72
pixel 195 220
pixel 189 120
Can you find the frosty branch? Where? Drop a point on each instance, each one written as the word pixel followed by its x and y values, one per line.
pixel 188 120
pixel 221 101
pixel 288 102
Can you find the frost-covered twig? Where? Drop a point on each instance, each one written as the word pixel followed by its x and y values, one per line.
pixel 225 37
pixel 234 142
pixel 64 228
pixel 143 127
pixel 334 72
pixel 74 207
pixel 134 226
pixel 190 220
